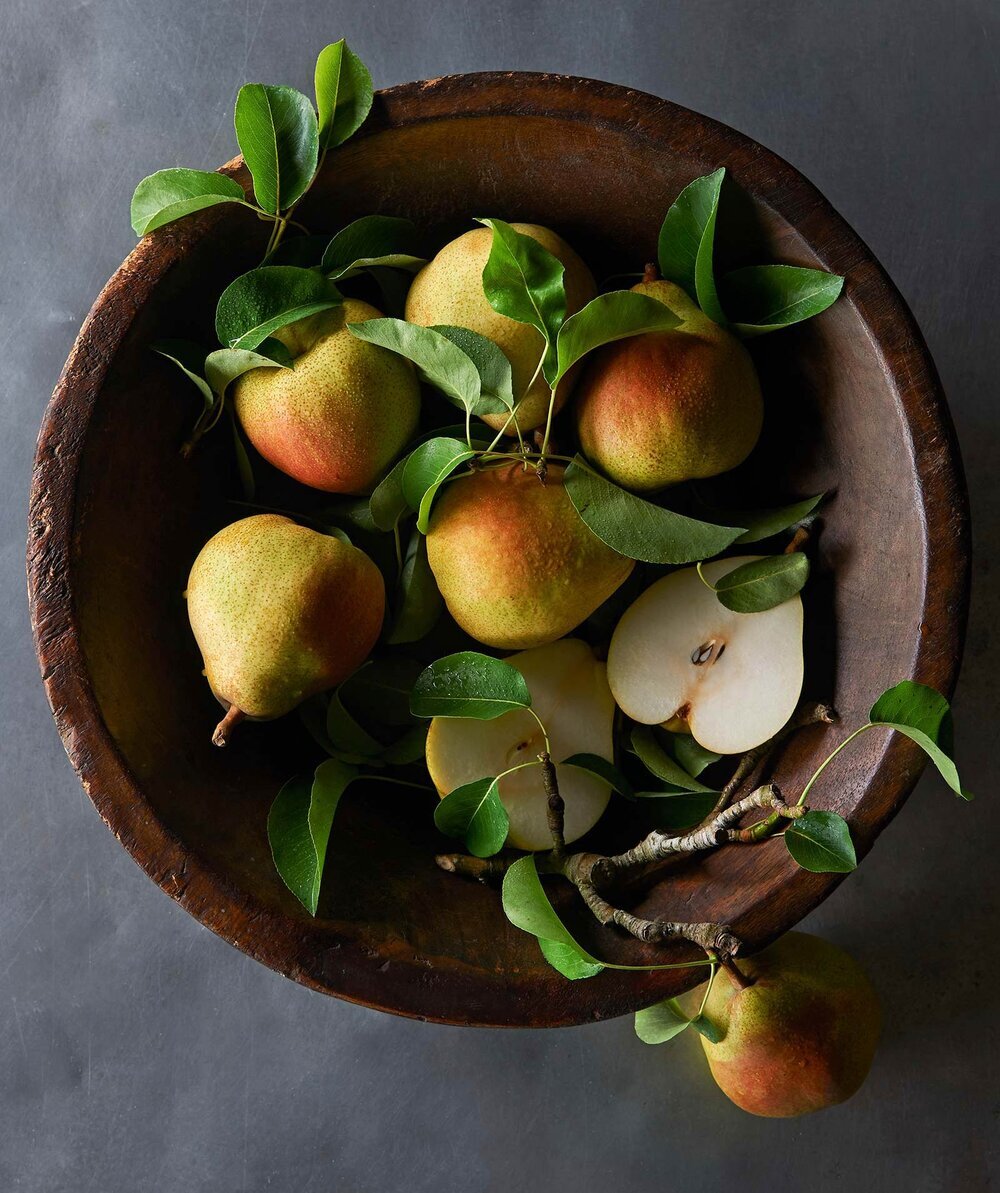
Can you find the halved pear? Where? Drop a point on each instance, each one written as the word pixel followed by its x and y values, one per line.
pixel 679 657
pixel 570 694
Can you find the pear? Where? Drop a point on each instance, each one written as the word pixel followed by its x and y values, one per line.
pixel 280 613
pixel 678 657
pixel 801 1037
pixel 342 414
pixel 669 406
pixel 515 563
pixel 570 694
pixel 449 290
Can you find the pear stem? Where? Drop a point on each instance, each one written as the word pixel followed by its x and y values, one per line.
pixel 736 975
pixel 650 273
pixel 228 723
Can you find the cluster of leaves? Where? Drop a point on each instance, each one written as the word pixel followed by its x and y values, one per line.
pixel 284 139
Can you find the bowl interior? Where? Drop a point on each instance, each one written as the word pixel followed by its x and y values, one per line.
pixel 601 166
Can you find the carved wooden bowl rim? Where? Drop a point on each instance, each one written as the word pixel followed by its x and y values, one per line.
pixel 264 933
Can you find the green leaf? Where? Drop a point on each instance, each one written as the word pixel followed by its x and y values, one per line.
pixel 190 359
pixel 169 195
pixel 764 583
pixel 223 366
pixel 661 1022
pixel 260 302
pixel 373 240
pixel 694 758
pixel 496 384
pixel 348 736
pixel 418 602
pixel 568 960
pixel 298 828
pixel 687 242
pixel 705 1027
pixel 924 716
pixel 243 466
pixel 763 298
pixel 379 692
pixel 821 842
pixel 439 362
pixel 676 811
pixel 763 523
pixel 524 281
pixel 475 813
pixel 469 684
pixel 331 780
pixel 527 907
pixel 427 468
pixel 594 764
pixel 343 93
pixel 658 762
pixel 304 251
pixel 638 529
pixel 277 135
pixel 388 503
pixel 606 318
pixel 410 747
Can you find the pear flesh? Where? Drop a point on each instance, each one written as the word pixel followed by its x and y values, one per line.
pixel 515 563
pixel 449 290
pixel 801 1037
pixel 569 692
pixel 280 612
pixel 342 414
pixel 679 657
pixel 657 409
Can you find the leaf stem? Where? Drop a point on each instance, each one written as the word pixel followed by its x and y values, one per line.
pixel 398 782
pixel 545 735
pixel 826 762
pixel 708 989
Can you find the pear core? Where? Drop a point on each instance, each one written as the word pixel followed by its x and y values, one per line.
pixel 449 290
pixel 679 656
pixel 570 694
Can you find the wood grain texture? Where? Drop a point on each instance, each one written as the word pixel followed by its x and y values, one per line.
pixel 854 405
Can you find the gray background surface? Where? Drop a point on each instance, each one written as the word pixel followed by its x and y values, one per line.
pixel 137 1051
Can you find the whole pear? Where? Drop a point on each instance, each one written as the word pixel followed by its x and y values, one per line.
pixel 515 563
pixel 669 406
pixel 799 1038
pixel 280 612
pixel 342 414
pixel 449 290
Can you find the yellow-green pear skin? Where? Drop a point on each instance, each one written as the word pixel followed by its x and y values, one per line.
pixel 800 1038
pixel 449 290
pixel 280 612
pixel 342 414
pixel 515 563
pixel 669 406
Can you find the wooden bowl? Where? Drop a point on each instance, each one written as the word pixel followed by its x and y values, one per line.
pixel 117 516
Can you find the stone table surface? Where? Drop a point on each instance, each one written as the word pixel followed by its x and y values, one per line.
pixel 137 1051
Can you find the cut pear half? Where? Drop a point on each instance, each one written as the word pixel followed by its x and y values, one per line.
pixel 680 658
pixel 570 694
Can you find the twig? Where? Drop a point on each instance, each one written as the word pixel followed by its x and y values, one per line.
pixel 592 874
pixel 808 713
pixel 555 808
